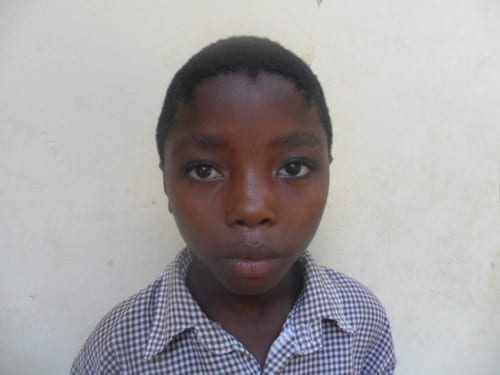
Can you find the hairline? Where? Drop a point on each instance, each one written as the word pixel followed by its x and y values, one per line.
pixel 248 55
pixel 253 76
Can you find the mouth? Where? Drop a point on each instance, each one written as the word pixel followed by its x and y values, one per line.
pixel 251 267
pixel 252 260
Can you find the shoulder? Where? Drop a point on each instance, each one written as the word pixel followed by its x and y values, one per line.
pixel 365 314
pixel 358 302
pixel 124 329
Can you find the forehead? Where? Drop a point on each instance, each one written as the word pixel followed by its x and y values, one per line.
pixel 245 96
pixel 245 86
pixel 242 106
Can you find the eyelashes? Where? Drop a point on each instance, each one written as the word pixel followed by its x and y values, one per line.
pixel 295 169
pixel 204 171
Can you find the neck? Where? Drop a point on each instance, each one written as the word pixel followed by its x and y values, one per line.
pixel 220 304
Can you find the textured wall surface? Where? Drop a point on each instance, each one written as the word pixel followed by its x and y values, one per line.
pixel 414 210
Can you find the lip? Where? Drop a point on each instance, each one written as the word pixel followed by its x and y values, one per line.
pixel 252 250
pixel 251 259
pixel 251 267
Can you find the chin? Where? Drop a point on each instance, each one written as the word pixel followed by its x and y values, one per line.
pixel 249 291
pixel 250 288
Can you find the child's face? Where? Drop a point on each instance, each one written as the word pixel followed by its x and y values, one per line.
pixel 247 176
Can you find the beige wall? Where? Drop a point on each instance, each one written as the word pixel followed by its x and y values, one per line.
pixel 414 211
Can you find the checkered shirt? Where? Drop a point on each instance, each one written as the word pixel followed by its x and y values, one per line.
pixel 337 326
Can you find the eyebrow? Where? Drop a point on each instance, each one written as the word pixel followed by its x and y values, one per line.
pixel 200 140
pixel 298 139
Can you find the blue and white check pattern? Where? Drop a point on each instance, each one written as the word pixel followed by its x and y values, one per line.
pixel 337 326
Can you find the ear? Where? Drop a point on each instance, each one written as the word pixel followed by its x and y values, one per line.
pixel 163 175
pixel 161 166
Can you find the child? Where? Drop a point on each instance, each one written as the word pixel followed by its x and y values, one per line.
pixel 244 139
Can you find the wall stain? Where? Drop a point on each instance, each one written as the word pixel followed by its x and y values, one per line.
pixel 308 55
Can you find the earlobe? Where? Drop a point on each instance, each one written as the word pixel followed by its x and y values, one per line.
pixel 163 179
pixel 165 191
pixel 164 186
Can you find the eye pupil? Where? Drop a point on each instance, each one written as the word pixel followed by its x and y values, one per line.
pixel 203 171
pixel 293 169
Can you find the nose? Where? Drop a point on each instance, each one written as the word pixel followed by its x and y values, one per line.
pixel 251 201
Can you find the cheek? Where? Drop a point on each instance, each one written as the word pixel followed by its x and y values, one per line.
pixel 319 202
pixel 187 198
pixel 315 211
pixel 195 217
pixel 309 203
pixel 301 220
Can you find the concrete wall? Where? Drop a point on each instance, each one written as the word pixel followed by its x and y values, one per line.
pixel 414 211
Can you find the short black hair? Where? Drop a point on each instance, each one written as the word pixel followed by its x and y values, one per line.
pixel 246 54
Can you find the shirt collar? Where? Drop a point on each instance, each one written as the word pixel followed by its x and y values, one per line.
pixel 320 300
pixel 175 310
pixel 321 297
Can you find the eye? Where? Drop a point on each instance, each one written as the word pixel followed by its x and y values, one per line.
pixel 294 169
pixel 204 172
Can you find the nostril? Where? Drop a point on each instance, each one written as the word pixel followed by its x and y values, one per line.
pixel 264 221
pixel 241 223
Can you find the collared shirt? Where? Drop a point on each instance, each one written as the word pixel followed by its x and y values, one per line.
pixel 337 326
